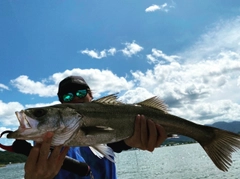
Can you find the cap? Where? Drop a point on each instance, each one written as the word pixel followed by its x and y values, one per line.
pixel 71 83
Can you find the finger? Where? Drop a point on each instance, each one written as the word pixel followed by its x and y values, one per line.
pixel 32 158
pixel 62 156
pixel 45 148
pixel 54 162
pixel 162 135
pixel 54 154
pixel 144 132
pixel 63 153
pixel 153 135
pixel 137 127
pixel 135 139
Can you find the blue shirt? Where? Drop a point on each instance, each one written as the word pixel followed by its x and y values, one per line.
pixel 101 168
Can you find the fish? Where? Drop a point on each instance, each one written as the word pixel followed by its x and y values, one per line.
pixel 107 120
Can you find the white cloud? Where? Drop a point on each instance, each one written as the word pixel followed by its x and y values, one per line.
pixel 221 39
pixel 94 54
pixel 99 55
pixel 152 8
pixel 100 81
pixel 238 81
pixel 158 56
pixel 164 7
pixel 7 113
pixel 135 95
pixel 188 87
pixel 210 112
pixel 131 49
pixel 27 86
pixel 112 51
pixel 2 86
pixel 205 88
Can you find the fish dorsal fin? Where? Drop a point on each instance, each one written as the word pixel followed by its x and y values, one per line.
pixel 110 99
pixel 155 103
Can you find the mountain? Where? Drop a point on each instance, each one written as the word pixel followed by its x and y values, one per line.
pixel 10 157
pixel 229 126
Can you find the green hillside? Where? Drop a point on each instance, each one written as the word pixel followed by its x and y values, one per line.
pixel 10 157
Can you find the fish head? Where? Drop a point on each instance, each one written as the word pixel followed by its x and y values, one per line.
pixel 35 122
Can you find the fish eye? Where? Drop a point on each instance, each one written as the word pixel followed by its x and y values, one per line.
pixel 39 112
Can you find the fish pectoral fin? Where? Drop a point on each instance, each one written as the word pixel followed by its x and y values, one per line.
pixel 103 150
pixel 95 130
pixel 105 128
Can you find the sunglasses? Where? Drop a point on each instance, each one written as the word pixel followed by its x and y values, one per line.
pixel 79 93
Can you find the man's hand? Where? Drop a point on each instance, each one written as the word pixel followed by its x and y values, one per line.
pixel 147 134
pixel 41 164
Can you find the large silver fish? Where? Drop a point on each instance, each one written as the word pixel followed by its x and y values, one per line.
pixel 107 120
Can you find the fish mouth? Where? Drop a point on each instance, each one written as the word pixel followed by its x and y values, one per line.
pixel 27 129
pixel 25 121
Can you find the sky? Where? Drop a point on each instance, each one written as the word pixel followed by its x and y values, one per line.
pixel 185 52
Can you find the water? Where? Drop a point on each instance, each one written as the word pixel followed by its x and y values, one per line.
pixel 178 162
pixel 13 171
pixel 183 161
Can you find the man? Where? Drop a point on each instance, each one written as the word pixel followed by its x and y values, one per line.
pixel 73 89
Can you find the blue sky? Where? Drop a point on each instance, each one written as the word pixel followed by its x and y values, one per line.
pixel 185 52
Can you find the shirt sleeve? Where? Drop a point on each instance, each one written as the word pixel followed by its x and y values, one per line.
pixel 119 146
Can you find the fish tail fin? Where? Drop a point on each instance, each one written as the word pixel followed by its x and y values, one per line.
pixel 102 150
pixel 221 147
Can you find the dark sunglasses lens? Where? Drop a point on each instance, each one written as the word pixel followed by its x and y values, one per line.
pixel 68 97
pixel 81 93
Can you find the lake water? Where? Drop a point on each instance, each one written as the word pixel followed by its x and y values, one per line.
pixel 176 162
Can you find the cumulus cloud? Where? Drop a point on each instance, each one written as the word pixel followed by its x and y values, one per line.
pixel 210 112
pixel 100 81
pixel 131 49
pixel 164 7
pixel 99 55
pixel 135 95
pixel 27 86
pixel 205 88
pixel 7 113
pixel 187 88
